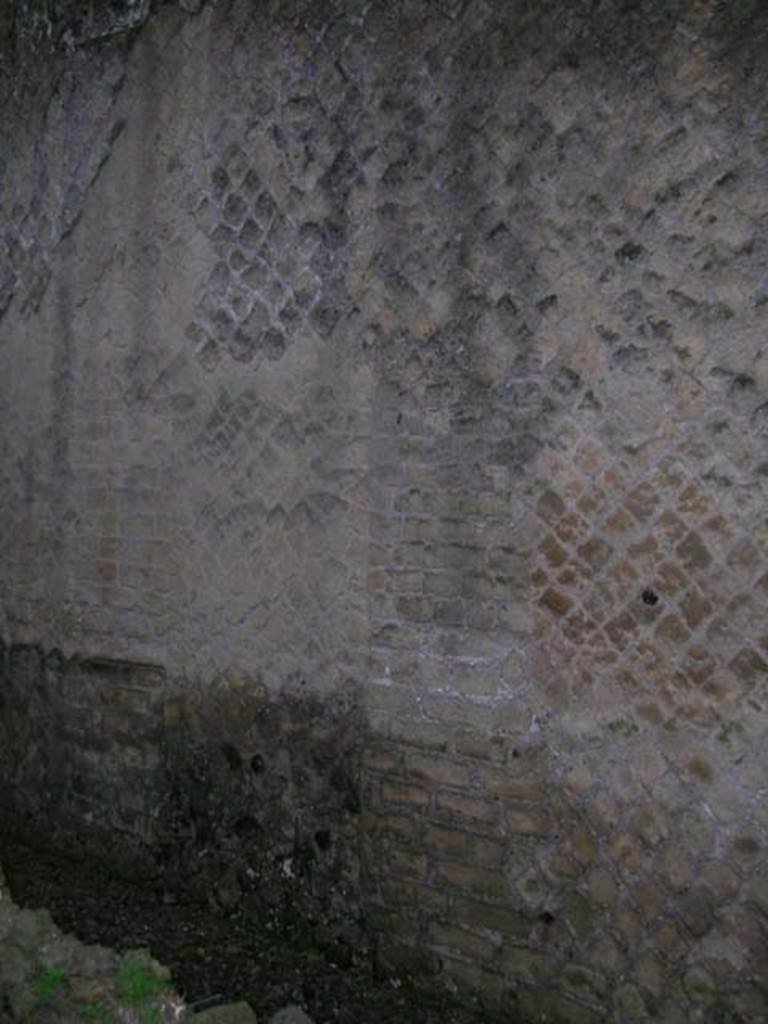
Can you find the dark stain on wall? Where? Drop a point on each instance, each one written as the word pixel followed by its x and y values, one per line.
pixel 106 758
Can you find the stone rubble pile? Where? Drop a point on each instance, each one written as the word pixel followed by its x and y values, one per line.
pixel 49 977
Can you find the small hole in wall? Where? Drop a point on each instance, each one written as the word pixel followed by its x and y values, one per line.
pixel 257 764
pixel 246 825
pixel 323 839
pixel 650 597
pixel 546 917
pixel 515 753
pixel 232 756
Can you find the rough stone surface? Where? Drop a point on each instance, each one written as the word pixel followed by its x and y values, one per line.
pixel 410 356
pixel 234 1013
pixel 290 1015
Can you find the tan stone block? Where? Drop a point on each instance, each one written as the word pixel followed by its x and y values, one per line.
pixel 591 457
pixel 418 530
pixel 458 711
pixel 648 898
pixel 408 894
pixel 574 575
pixel 722 882
pixel 379 759
pixel 621 628
pixel 648 661
pixel 584 981
pixel 490 987
pixel 649 765
pixel 449 937
pixel 591 503
pixel 606 955
pixel 748 1004
pixel 695 608
pixel 558 867
pixel 581 630
pixel 698 986
pixel 613 480
pixel 467 743
pixel 649 975
pixel 696 910
pixel 700 768
pixel 390 697
pixel 579 911
pixel 649 825
pixel 627 855
pixel 645 554
pixel 438 771
pixel 583 845
pixel 510 925
pixel 719 530
pixel 538 577
pixel 602 887
pixel 453 844
pixel 672 630
pixel 670 527
pixel 401 793
pixel 669 941
pixel 629 925
pixel 545 1004
pixel 744 558
pixel 699 664
pixel 749 666
pixel 572 529
pixel 406 581
pixel 677 866
pixel 579 780
pixel 475 880
pixel 650 712
pixel 442 584
pixel 508 564
pixel 642 502
pixel 554 555
pixel 595 552
pixel 692 501
pixel 401 825
pixel 600 602
pixel 528 820
pixel 407 864
pixel 669 579
pixel 531 967
pixel 419 732
pixel 618 524
pixel 556 602
pixel 740 922
pixel 550 506
pixel 629 1005
pixel 174 712
pixel 413 609
pixel 693 552
pixel 474 680
pixel 469 808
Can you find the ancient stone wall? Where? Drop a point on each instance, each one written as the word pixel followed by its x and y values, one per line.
pixel 410 356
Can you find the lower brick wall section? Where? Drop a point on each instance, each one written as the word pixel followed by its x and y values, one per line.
pixel 564 872
pixel 564 887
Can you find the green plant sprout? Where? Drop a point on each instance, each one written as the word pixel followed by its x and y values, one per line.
pixel 47 982
pixel 136 983
pixel 98 1013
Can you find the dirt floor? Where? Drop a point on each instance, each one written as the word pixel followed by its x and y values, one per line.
pixel 261 950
